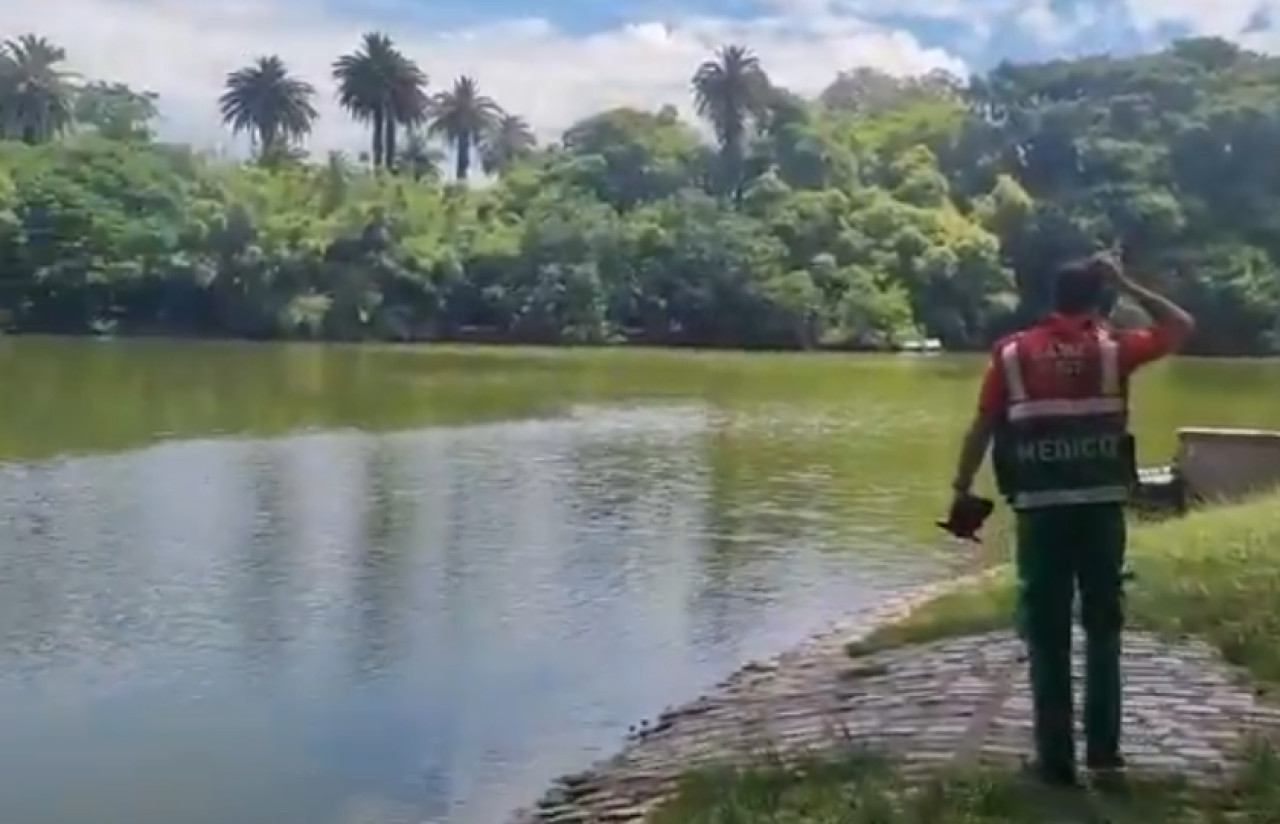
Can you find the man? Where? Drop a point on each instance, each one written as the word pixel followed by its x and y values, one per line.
pixel 1055 400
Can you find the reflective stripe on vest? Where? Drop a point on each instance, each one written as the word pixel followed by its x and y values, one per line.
pixel 1110 400
pixel 1071 497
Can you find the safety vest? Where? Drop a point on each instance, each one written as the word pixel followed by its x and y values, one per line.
pixel 1059 446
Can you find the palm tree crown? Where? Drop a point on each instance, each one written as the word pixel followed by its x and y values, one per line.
pixel 268 103
pixel 465 118
pixel 729 91
pixel 511 140
pixel 36 96
pixel 378 85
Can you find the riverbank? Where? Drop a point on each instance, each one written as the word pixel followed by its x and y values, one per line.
pixel 934 696
pixel 497 340
pixel 503 339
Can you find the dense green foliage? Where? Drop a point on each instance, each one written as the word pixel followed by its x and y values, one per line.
pixel 885 209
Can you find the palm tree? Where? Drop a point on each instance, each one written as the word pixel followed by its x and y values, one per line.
pixel 419 159
pixel 731 91
pixel 511 140
pixel 378 85
pixel 465 119
pixel 36 95
pixel 268 103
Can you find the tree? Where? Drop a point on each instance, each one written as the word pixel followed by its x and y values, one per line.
pixel 378 85
pixel 116 111
pixel 899 208
pixel 418 158
pixel 35 91
pixel 869 90
pixel 266 102
pixel 626 157
pixel 731 91
pixel 465 119
pixel 510 140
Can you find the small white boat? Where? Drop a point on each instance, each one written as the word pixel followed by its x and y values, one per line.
pixel 921 347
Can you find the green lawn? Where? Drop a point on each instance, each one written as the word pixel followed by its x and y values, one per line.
pixel 1213 574
pixel 859 789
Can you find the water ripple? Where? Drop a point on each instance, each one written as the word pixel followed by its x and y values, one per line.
pixel 308 628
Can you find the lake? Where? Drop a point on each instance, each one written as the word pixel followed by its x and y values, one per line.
pixel 293 584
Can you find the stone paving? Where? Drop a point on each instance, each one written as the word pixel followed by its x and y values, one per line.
pixel 961 699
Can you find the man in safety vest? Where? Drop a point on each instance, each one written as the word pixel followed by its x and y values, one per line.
pixel 1055 401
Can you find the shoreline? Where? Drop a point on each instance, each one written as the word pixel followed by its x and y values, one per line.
pixel 497 341
pixel 509 344
pixel 938 702
pixel 751 682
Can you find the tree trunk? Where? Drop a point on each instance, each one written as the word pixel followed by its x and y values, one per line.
pixel 267 147
pixel 462 165
pixel 389 143
pixel 379 123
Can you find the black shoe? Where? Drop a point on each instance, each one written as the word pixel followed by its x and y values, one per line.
pixel 1108 775
pixel 1059 776
pixel 1111 763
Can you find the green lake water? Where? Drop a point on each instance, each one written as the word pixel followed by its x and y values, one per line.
pixel 261 584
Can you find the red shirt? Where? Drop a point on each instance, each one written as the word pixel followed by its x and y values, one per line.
pixel 1137 347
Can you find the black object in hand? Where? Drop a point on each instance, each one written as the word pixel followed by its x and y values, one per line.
pixel 968 514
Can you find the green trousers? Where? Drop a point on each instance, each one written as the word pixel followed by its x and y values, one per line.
pixel 1060 549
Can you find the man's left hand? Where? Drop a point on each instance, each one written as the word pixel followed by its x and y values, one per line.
pixel 967 514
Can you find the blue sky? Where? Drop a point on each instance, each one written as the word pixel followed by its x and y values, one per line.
pixel 554 61
pixel 935 28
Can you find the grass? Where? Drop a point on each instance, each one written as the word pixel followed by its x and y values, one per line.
pixel 1214 574
pixel 861 789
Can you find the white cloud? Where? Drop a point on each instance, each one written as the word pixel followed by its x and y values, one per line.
pixel 183 50
pixel 1054 28
pixel 1230 19
pixel 1038 18
pixel 1219 18
pixel 970 11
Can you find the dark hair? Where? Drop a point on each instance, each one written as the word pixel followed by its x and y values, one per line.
pixel 1079 287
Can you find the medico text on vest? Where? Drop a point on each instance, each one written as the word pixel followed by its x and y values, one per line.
pixel 1054 450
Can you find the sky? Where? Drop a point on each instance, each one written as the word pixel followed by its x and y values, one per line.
pixel 554 61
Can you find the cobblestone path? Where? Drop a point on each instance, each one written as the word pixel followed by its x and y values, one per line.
pixel 962 699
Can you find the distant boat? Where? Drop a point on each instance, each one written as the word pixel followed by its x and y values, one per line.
pixel 102 328
pixel 928 346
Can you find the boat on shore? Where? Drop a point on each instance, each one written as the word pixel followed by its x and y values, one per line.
pixel 925 346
